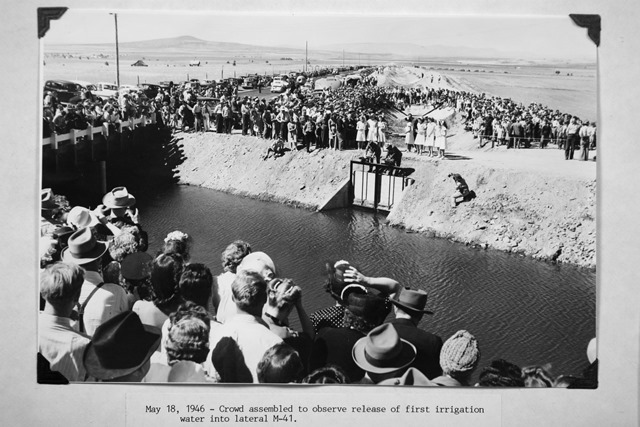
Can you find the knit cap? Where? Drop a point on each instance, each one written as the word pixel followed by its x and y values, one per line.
pixel 459 353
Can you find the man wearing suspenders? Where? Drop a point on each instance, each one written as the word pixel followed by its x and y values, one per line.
pixel 98 301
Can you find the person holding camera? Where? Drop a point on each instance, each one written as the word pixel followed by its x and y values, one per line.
pixel 393 158
pixel 372 153
pixel 462 189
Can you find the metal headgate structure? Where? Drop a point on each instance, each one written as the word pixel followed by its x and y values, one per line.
pixel 377 186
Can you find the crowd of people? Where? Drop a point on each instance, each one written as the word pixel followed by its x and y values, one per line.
pixel 351 116
pixel 93 111
pixel 503 122
pixel 112 310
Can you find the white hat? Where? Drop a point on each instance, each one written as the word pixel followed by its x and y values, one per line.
pixel 80 217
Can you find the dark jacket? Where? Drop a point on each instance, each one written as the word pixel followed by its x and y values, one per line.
pixel 428 347
pixel 333 346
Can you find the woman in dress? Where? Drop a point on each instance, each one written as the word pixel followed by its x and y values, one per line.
pixel 372 134
pixel 431 137
pixel 408 134
pixel 361 128
pixel 292 136
pixel 441 138
pixel 382 127
pixel 333 134
pixel 421 136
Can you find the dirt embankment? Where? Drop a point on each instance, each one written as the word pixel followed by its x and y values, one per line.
pixel 530 202
pixel 544 216
pixel 234 164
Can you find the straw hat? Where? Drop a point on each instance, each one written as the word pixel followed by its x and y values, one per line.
pixel 119 197
pixel 80 217
pixel 46 199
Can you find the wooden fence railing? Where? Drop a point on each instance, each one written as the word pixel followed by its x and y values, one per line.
pixel 76 135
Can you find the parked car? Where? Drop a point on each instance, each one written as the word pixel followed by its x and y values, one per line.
pixel 329 82
pixel 128 89
pixel 249 82
pixel 150 90
pixel 280 83
pixel 86 85
pixel 106 90
pixel 64 90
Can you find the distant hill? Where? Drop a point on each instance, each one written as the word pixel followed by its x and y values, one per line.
pixel 189 44
pixel 416 51
pixel 375 51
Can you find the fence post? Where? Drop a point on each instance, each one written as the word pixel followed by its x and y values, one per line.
pixel 72 139
pixel 103 176
pixel 121 137
pixel 54 146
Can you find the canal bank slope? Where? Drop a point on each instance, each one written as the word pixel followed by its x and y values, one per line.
pixel 529 202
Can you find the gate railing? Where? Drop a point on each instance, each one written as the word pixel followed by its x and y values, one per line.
pixel 377 186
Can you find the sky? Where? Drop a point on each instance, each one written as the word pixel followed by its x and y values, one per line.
pixel 554 36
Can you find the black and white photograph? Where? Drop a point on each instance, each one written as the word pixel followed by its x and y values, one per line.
pixel 319 201
pixel 325 208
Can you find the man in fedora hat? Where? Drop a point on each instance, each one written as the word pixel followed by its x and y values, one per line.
pixel 98 301
pixel 383 354
pixel 409 308
pixel 120 349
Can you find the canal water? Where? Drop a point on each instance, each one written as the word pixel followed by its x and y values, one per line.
pixel 519 309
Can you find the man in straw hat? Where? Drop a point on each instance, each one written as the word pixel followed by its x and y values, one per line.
pixel 459 357
pixel 383 354
pixel 50 209
pixel 98 301
pixel 409 309
pixel 120 201
pixel 120 349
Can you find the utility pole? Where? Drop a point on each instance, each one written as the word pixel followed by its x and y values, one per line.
pixel 115 16
pixel 306 52
pixel 342 58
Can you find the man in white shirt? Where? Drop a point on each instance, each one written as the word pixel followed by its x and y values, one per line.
pixel 98 301
pixel 245 337
pixel 58 342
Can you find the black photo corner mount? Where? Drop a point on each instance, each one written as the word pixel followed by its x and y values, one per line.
pixel 591 23
pixel 46 14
